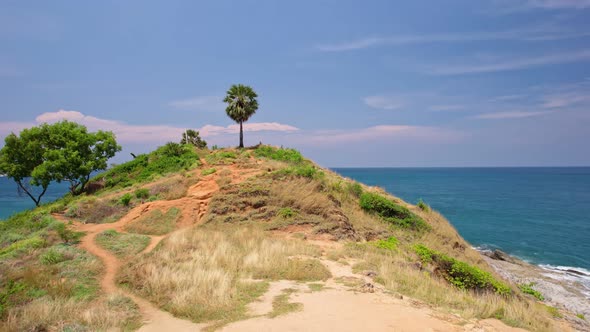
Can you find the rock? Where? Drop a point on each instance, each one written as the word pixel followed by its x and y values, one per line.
pixel 499 255
pixel 370 273
pixel 367 288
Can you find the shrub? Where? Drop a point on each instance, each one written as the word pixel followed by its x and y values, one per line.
pixel 461 274
pixel 390 243
pixel 581 316
pixel 142 193
pixel 423 206
pixel 125 199
pixel 528 289
pixel 287 212
pixel 304 171
pixel 355 189
pixel 391 212
pixel 66 234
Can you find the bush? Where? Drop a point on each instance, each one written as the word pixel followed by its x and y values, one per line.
pixel 125 199
pixel 355 188
pixel 390 243
pixel 528 289
pixel 287 213
pixel 461 274
pixel 423 206
pixel 66 234
pixel 304 171
pixel 142 193
pixel 391 212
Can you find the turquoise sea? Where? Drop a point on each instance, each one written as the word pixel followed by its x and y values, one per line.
pixel 541 215
pixel 11 201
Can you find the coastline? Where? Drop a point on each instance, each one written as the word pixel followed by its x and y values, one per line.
pixel 565 288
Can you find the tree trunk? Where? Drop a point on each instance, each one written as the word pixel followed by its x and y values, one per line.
pixel 241 136
pixel 36 200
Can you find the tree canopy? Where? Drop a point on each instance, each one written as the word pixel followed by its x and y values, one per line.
pixel 242 104
pixel 192 137
pixel 63 151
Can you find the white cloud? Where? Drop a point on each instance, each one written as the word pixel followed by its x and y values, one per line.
pixel 384 102
pixel 200 103
pixel 566 99
pixel 128 133
pixel 512 64
pixel 510 115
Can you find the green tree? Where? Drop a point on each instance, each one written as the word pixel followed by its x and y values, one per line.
pixel 242 104
pixel 63 151
pixel 192 137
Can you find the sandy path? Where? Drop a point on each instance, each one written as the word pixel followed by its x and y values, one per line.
pixel 344 308
pixel 193 207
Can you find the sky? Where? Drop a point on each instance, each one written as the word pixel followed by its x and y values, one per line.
pixel 348 83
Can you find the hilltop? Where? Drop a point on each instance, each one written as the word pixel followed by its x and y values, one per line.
pixel 240 239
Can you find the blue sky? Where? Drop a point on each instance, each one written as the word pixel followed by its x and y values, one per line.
pixel 349 83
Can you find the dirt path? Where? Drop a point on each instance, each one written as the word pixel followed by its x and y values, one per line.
pixel 343 307
pixel 193 207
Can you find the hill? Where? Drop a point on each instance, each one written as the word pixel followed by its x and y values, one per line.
pixel 185 239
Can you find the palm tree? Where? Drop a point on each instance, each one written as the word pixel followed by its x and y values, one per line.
pixel 241 105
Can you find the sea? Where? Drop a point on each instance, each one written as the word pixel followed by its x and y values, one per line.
pixel 538 214
pixel 12 200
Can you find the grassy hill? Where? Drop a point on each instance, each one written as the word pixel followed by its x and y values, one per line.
pixel 202 234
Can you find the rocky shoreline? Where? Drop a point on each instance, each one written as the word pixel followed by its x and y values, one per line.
pixel 561 288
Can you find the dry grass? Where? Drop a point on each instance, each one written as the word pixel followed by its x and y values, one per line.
pixel 173 188
pixel 96 211
pixel 201 273
pixel 155 223
pixel 116 312
pixel 397 273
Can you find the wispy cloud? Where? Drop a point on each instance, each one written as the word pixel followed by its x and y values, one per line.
pixel 446 108
pixel 129 133
pixel 529 34
pixel 199 103
pixel 512 64
pixel 378 133
pixel 384 102
pixel 522 5
pixel 509 115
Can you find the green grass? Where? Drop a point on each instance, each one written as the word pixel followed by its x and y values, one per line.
pixel 282 306
pixel 221 157
pixel 121 244
pixel 300 170
pixel 461 274
pixel 554 312
pixel 155 223
pixel 280 154
pixel 287 213
pixel 581 316
pixel 389 244
pixel 166 159
pixel 391 212
pixel 528 289
pixel 423 206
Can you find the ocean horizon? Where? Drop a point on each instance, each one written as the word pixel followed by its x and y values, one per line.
pixel 538 214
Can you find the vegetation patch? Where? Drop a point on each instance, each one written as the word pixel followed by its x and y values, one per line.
pixel 282 306
pixel 98 211
pixel 155 223
pixel 221 157
pixel 423 206
pixel 461 274
pixel 280 154
pixel 391 212
pixel 121 244
pixel 172 157
pixel 208 171
pixel 389 244
pixel 528 289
